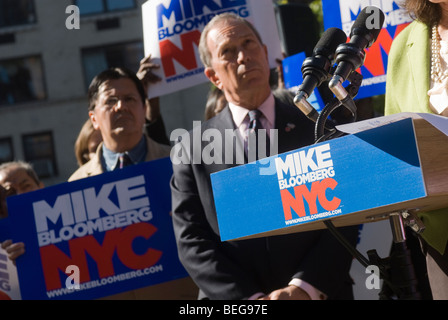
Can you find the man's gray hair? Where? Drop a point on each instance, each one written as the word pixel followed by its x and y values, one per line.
pixel 21 165
pixel 204 52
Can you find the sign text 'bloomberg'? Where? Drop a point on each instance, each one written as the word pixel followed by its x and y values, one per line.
pixel 119 212
pixel 306 179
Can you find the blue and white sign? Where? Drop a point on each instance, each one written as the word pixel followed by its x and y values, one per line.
pixel 172 29
pixel 325 180
pixel 343 13
pixel 97 236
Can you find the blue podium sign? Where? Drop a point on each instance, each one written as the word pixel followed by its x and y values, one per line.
pixel 353 173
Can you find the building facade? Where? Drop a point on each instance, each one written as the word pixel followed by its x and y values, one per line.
pixel 47 61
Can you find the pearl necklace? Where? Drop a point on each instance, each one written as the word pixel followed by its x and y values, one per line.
pixel 437 75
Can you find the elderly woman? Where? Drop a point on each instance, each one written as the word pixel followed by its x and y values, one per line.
pixel 417 79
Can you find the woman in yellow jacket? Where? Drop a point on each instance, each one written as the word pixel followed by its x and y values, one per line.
pixel 417 79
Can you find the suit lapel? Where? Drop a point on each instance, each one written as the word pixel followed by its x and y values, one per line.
pixel 285 125
pixel 280 124
pixel 224 122
pixel 293 132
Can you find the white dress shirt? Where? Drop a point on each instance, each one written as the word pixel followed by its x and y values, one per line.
pixel 240 117
pixel 241 120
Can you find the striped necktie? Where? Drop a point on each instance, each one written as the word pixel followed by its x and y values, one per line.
pixel 253 135
pixel 124 160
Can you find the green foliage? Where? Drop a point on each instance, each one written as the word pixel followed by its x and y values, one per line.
pixel 316 7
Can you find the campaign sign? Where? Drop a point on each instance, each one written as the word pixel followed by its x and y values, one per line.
pixel 293 78
pixel 369 169
pixel 9 283
pixel 172 29
pixel 343 13
pixel 97 236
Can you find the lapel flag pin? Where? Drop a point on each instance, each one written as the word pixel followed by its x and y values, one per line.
pixel 289 127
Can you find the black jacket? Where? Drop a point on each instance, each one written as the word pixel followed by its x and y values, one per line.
pixel 239 269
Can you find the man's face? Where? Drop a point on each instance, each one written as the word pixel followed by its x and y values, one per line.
pixel 17 181
pixel 239 61
pixel 119 112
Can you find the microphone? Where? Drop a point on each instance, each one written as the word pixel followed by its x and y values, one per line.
pixel 315 69
pixel 350 56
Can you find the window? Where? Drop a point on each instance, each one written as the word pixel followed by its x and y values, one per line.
pixel 21 80
pixel 39 151
pixel 16 12
pixel 98 59
pixel 6 150
pixel 87 7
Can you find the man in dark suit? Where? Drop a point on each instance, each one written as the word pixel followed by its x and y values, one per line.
pixel 308 265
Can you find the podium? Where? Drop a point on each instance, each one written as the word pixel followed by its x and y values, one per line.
pixel 383 165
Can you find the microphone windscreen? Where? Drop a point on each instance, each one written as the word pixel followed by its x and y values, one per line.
pixel 329 41
pixel 367 24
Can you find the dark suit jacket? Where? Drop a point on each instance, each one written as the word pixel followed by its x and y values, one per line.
pixel 239 269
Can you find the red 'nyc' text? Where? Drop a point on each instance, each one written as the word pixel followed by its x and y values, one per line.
pixel 317 192
pixel 297 170
pixel 115 242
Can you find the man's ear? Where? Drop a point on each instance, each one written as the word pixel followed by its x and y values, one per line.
pixel 213 77
pixel 93 119
pixel 265 48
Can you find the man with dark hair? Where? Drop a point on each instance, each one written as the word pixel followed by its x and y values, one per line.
pixel 117 108
pixel 307 265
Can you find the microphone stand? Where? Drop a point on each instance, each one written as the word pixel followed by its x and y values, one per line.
pixel 401 270
pixel 397 271
pixel 350 92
